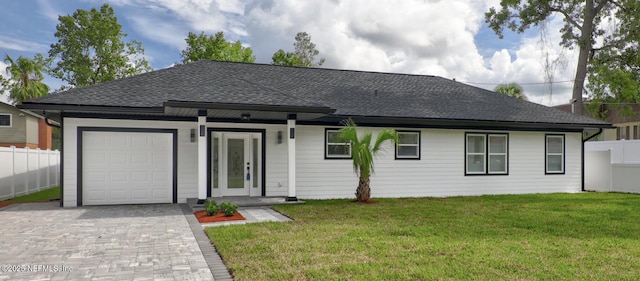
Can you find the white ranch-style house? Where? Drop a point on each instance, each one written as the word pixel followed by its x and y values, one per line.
pixel 216 129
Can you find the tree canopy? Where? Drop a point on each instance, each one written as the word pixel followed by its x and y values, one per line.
pixel 582 26
pixel 304 54
pixel 614 74
pixel 215 47
pixel 25 78
pixel 90 49
pixel 512 90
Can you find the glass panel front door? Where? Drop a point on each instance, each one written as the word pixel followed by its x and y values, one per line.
pixel 254 159
pixel 215 168
pixel 235 163
pixel 236 168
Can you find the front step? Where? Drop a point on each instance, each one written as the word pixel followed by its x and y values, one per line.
pixel 245 201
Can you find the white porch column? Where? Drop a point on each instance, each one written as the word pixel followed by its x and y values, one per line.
pixel 202 155
pixel 291 145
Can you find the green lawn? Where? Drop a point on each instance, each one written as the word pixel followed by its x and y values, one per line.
pixel 588 236
pixel 43 195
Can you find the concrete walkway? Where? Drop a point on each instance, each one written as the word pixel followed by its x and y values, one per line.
pixel 41 241
pixel 253 214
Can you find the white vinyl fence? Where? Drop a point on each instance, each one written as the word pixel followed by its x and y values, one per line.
pixel 24 171
pixel 612 166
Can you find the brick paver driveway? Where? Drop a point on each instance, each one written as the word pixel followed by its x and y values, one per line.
pixel 143 242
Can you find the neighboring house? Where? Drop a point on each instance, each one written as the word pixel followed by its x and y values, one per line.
pixel 626 127
pixel 233 129
pixel 22 128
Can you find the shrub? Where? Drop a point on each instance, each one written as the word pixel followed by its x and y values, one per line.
pixel 229 209
pixel 211 207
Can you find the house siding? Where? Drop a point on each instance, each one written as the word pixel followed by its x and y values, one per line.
pixel 17 133
pixel 32 129
pixel 439 172
pixel 24 130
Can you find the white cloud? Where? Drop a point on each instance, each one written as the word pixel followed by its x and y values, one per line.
pixel 410 36
pixel 406 36
pixel 434 38
pixel 163 32
pixel 48 11
pixel 165 19
pixel 11 43
pixel 529 67
pixel 231 6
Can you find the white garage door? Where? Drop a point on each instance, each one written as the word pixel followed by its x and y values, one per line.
pixel 127 168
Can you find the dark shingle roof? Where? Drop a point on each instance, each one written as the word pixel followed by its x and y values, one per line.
pixel 350 93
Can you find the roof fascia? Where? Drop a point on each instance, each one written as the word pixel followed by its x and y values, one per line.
pixel 257 107
pixel 22 110
pixel 89 108
pixel 457 124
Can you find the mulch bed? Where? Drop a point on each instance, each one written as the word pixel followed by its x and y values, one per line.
pixel 5 203
pixel 204 218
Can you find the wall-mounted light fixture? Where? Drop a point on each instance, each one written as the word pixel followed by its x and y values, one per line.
pixel 245 117
pixel 193 135
pixel 279 137
pixel 202 131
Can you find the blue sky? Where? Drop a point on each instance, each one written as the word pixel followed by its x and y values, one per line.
pixel 447 38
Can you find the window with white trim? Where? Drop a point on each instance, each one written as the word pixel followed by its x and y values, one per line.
pixel 487 154
pixel 554 150
pixel 476 153
pixel 5 120
pixel 408 146
pixel 497 154
pixel 335 147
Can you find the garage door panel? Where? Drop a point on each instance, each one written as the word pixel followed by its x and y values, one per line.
pixel 95 157
pixel 139 158
pixel 97 195
pixel 118 139
pixel 118 195
pixel 98 177
pixel 117 158
pixel 139 177
pixel 139 167
pixel 160 159
pixel 140 194
pixel 139 142
pixel 159 194
pixel 160 177
pixel 118 177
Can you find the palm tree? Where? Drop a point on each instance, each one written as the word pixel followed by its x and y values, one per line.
pixel 26 79
pixel 363 153
pixel 512 90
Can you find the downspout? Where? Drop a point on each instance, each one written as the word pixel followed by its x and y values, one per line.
pixel 60 173
pixel 583 141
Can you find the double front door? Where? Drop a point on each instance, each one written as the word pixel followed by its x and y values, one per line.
pixel 236 164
